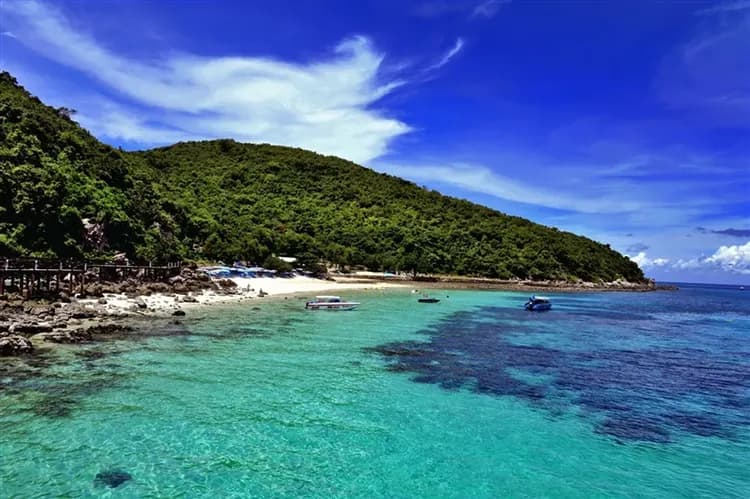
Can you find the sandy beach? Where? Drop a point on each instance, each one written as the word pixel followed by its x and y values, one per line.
pixel 246 289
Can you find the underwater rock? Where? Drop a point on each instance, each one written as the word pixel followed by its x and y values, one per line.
pixel 72 336
pixel 111 478
pixel 630 395
pixel 108 328
pixel 178 313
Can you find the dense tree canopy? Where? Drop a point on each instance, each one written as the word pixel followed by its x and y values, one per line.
pixel 225 200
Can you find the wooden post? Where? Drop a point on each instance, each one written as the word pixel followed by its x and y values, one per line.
pixel 83 276
pixel 59 275
pixel 32 284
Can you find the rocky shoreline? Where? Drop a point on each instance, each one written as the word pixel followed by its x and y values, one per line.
pixel 108 308
pixel 459 282
pixel 103 308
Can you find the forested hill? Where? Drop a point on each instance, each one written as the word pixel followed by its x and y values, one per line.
pixel 222 200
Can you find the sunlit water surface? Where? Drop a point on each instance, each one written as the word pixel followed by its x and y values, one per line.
pixel 608 394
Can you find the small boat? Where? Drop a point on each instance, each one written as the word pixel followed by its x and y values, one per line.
pixel 327 302
pixel 538 304
pixel 427 299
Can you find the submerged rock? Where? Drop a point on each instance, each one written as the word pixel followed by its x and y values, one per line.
pixel 73 336
pixel 111 478
pixel 109 328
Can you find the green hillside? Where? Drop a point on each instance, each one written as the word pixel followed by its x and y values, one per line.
pixel 225 200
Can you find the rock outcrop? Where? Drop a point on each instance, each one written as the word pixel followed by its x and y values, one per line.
pixel 14 344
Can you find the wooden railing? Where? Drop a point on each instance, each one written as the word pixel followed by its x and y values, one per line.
pixel 32 275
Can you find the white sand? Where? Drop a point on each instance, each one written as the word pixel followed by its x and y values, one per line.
pixel 247 289
pixel 281 286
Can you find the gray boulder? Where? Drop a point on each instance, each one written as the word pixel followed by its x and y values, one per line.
pixel 15 345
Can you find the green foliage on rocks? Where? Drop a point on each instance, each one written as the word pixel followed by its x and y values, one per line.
pixel 224 200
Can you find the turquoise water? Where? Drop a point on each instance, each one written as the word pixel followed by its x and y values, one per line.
pixel 608 395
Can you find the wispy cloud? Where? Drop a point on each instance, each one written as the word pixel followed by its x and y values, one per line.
pixel 485 9
pixel 707 76
pixel 450 54
pixel 585 185
pixel 636 248
pixel 726 7
pixel 480 179
pixel 324 105
pixel 726 232
pixel 488 8
pixel 437 8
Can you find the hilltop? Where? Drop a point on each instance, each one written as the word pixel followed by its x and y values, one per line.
pixel 64 193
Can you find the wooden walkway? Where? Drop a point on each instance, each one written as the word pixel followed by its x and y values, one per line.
pixel 30 276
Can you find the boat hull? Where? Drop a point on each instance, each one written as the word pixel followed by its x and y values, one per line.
pixel 331 306
pixel 538 307
pixel 428 300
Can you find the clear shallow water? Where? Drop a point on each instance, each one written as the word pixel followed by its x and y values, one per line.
pixel 616 395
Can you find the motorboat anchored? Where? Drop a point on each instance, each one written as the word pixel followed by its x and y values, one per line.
pixel 428 299
pixel 538 304
pixel 329 302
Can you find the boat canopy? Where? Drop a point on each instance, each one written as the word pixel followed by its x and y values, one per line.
pixel 539 298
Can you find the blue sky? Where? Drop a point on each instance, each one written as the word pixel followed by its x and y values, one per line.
pixel 628 122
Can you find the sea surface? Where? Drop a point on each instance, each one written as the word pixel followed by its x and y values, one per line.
pixel 606 395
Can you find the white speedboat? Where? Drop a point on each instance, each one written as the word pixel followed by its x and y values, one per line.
pixel 538 303
pixel 327 302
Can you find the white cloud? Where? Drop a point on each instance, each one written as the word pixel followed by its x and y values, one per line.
pixel 690 264
pixel 645 262
pixel 732 258
pixel 449 54
pixel 324 105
